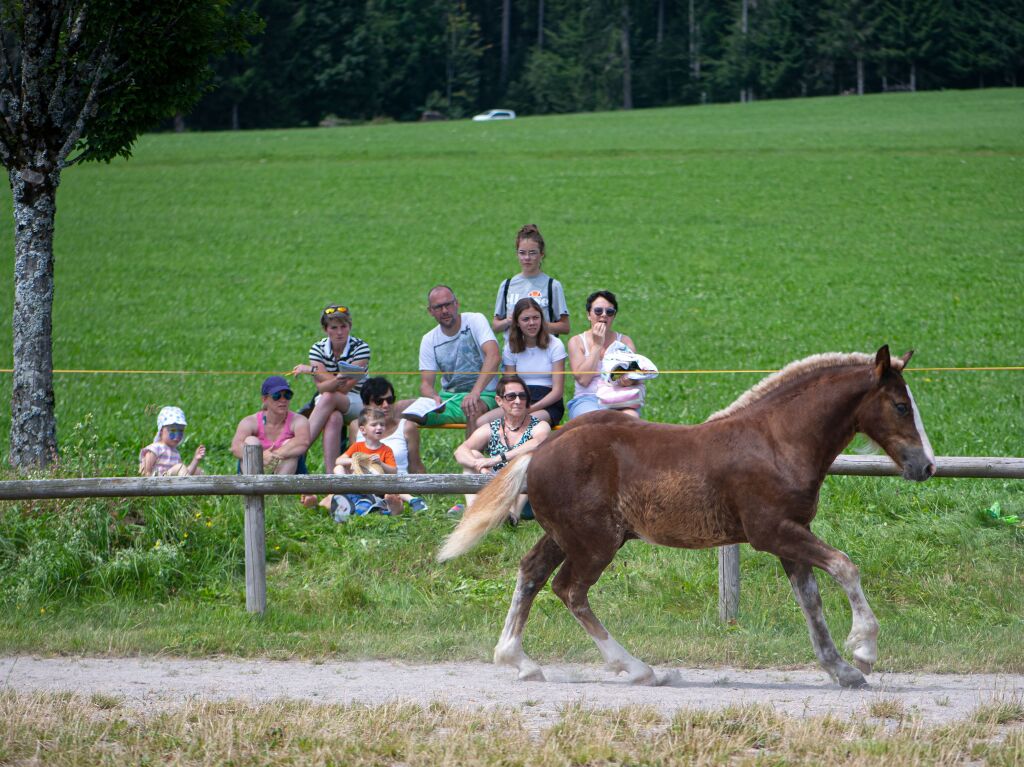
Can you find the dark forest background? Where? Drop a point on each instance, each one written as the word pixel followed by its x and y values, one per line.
pixel 357 60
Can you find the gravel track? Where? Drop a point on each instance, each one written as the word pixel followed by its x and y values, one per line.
pixel 153 683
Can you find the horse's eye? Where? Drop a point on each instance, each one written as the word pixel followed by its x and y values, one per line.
pixel 901 409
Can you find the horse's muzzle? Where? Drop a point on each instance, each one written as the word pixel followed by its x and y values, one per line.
pixel 917 466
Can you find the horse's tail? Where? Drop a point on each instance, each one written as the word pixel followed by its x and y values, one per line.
pixel 491 507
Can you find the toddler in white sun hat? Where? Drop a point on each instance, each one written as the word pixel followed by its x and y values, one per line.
pixel 161 457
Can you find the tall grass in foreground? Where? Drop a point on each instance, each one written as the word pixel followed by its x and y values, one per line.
pixel 736 236
pixel 72 730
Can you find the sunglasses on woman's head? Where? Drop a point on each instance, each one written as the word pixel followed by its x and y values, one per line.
pixel 278 394
pixel 336 310
pixel 381 400
pixel 611 311
pixel 512 396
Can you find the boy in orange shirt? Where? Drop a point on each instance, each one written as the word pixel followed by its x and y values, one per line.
pixel 372 425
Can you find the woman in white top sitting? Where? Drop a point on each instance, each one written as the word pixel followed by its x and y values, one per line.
pixel 538 358
pixel 587 350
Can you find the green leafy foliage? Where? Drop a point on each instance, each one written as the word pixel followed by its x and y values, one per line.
pixel 159 63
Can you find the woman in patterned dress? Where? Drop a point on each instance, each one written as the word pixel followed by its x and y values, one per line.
pixel 494 444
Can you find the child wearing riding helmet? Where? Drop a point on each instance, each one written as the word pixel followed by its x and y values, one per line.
pixel 161 458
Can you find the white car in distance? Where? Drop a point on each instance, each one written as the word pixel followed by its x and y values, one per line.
pixel 495 114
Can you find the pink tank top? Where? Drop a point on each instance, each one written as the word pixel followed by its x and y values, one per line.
pixel 261 431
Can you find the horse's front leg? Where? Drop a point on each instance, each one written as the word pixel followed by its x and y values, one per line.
pixel 805 589
pixel 795 542
pixel 863 638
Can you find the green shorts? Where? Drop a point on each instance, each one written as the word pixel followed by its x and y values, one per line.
pixel 452 412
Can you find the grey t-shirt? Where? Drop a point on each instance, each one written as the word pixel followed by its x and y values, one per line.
pixel 531 287
pixel 458 358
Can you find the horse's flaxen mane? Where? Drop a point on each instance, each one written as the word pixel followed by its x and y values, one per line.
pixel 794 370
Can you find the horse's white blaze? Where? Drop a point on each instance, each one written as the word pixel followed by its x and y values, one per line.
pixel 919 425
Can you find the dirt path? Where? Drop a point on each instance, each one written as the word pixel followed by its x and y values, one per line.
pixel 152 683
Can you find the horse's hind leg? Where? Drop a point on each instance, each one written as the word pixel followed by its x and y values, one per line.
pixel 534 570
pixel 805 588
pixel 571 585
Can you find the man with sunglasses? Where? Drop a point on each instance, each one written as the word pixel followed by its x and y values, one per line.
pixel 283 435
pixel 463 350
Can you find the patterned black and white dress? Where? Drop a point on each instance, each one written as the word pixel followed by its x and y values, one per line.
pixel 497 444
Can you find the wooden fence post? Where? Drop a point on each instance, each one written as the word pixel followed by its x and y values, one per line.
pixel 255 537
pixel 728 582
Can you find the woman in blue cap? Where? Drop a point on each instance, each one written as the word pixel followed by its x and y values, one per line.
pixel 283 435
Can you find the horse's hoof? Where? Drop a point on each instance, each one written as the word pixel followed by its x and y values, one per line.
pixel 670 679
pixel 848 676
pixel 531 675
pixel 864 666
pixel 644 678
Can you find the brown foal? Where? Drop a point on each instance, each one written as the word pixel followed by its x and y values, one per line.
pixel 750 473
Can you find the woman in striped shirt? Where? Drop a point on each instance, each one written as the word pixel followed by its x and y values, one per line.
pixel 330 361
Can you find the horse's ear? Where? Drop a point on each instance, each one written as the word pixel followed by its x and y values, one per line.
pixel 906 358
pixel 883 362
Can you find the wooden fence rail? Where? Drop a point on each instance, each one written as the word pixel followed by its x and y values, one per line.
pixel 254 486
pixel 417 484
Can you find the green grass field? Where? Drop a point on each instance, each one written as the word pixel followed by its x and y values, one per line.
pixel 736 237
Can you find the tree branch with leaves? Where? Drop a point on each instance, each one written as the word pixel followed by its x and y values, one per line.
pixel 84 78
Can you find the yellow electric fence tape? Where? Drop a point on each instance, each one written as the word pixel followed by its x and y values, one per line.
pixel 463 372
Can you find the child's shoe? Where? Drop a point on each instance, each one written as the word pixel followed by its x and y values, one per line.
pixel 457 510
pixel 417 504
pixel 363 506
pixel 341 508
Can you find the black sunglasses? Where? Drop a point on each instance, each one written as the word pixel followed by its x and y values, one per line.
pixel 512 396
pixel 381 400
pixel 278 394
pixel 611 311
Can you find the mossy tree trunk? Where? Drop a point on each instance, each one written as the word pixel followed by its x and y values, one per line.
pixel 33 420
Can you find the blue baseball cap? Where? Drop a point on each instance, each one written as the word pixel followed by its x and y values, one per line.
pixel 274 384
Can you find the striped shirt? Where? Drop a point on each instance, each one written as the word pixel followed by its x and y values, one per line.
pixel 356 351
pixel 166 457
